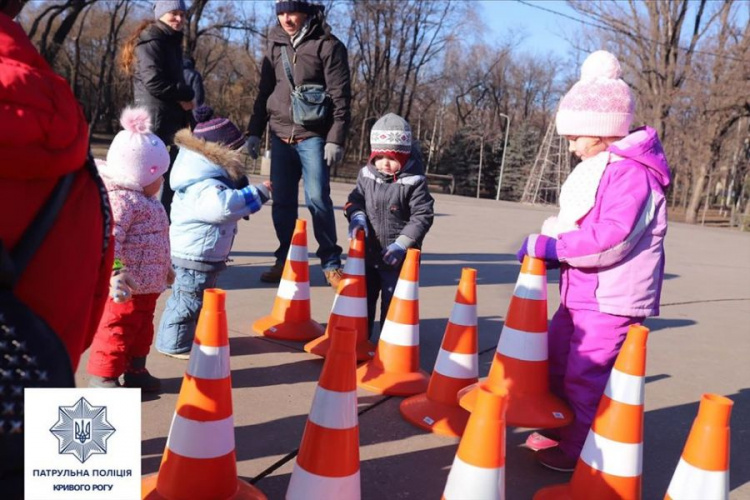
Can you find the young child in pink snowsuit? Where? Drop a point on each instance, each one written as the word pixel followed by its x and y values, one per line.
pixel 133 174
pixel 608 240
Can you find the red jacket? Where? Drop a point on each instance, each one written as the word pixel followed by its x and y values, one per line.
pixel 44 135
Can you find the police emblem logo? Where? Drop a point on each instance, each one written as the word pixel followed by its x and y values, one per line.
pixel 82 430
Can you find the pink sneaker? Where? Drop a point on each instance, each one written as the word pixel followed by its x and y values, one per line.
pixel 555 459
pixel 537 441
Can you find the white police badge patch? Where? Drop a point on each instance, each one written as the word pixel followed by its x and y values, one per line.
pixel 82 430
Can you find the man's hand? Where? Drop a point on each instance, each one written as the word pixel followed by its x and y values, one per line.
pixel 333 153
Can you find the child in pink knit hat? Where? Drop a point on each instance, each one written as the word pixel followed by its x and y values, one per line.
pixel 608 240
pixel 133 175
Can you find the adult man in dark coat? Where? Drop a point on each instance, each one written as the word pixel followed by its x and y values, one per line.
pixel 315 57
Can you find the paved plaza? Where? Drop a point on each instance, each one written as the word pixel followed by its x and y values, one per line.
pixel 700 343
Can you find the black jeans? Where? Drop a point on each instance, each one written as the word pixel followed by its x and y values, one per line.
pixel 380 284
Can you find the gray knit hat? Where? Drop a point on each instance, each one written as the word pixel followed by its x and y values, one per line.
pixel 161 7
pixel 391 136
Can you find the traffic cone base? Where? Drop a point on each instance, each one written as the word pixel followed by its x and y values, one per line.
pixel 543 411
pixel 244 491
pixel 374 379
pixel 319 346
pixel 297 332
pixel 443 419
pixel 305 485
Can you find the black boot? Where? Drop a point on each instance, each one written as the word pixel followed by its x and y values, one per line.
pixel 104 382
pixel 138 376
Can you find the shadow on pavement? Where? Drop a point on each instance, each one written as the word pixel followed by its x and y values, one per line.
pixel 656 324
pixel 307 370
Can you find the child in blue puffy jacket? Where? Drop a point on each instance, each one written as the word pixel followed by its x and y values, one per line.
pixel 211 195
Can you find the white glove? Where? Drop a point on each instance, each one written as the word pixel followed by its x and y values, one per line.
pixel 121 287
pixel 333 153
pixel 252 144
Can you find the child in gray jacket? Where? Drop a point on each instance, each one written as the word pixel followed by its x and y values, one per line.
pixel 392 205
pixel 207 178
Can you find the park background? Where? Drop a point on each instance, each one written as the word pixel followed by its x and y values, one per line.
pixel 478 80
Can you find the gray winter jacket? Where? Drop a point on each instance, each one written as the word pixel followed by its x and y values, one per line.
pixel 398 207
pixel 158 82
pixel 318 58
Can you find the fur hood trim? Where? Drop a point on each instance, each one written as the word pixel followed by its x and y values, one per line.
pixel 232 161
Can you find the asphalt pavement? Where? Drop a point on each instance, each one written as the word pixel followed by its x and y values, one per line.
pixel 699 344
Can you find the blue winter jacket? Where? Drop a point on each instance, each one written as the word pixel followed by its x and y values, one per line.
pixel 206 208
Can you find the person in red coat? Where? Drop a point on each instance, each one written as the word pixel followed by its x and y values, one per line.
pixel 43 136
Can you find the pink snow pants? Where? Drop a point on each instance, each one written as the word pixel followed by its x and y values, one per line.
pixel 583 346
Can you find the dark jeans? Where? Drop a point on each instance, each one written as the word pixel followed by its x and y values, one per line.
pixel 180 316
pixel 380 284
pixel 289 162
pixel 167 193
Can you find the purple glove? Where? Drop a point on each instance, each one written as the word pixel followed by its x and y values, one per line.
pixel 394 254
pixel 540 247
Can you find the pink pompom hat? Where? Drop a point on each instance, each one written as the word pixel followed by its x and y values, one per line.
pixel 136 157
pixel 600 104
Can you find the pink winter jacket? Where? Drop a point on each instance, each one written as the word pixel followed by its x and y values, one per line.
pixel 141 232
pixel 615 262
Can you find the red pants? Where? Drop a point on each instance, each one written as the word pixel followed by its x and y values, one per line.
pixel 125 331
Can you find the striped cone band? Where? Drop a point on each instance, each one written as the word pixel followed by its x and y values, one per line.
pixel 689 482
pixel 327 464
pixel 398 347
pixel 467 481
pixel 290 317
pixel 479 466
pixel 395 369
pixel 401 326
pixel 703 469
pixel 611 461
pixel 349 309
pixel 199 458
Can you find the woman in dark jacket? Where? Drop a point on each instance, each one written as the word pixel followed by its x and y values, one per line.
pixel 153 57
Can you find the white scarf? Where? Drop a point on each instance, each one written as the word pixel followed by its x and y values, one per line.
pixel 577 195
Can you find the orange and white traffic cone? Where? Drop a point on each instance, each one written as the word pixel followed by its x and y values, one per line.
pixel 611 461
pixel 478 470
pixel 290 318
pixel 703 469
pixel 395 368
pixel 456 367
pixel 521 356
pixel 327 464
pixel 199 460
pixel 349 308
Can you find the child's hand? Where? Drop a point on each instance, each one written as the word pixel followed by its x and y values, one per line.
pixel 394 254
pixel 170 276
pixel 357 222
pixel 538 246
pixel 268 185
pixel 121 287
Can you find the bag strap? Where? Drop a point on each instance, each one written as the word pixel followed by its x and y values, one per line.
pixel 13 263
pixel 287 67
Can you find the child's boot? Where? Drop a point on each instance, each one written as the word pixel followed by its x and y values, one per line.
pixel 104 382
pixel 138 376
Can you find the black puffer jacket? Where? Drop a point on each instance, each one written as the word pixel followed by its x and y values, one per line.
pixel 158 82
pixel 398 207
pixel 319 58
